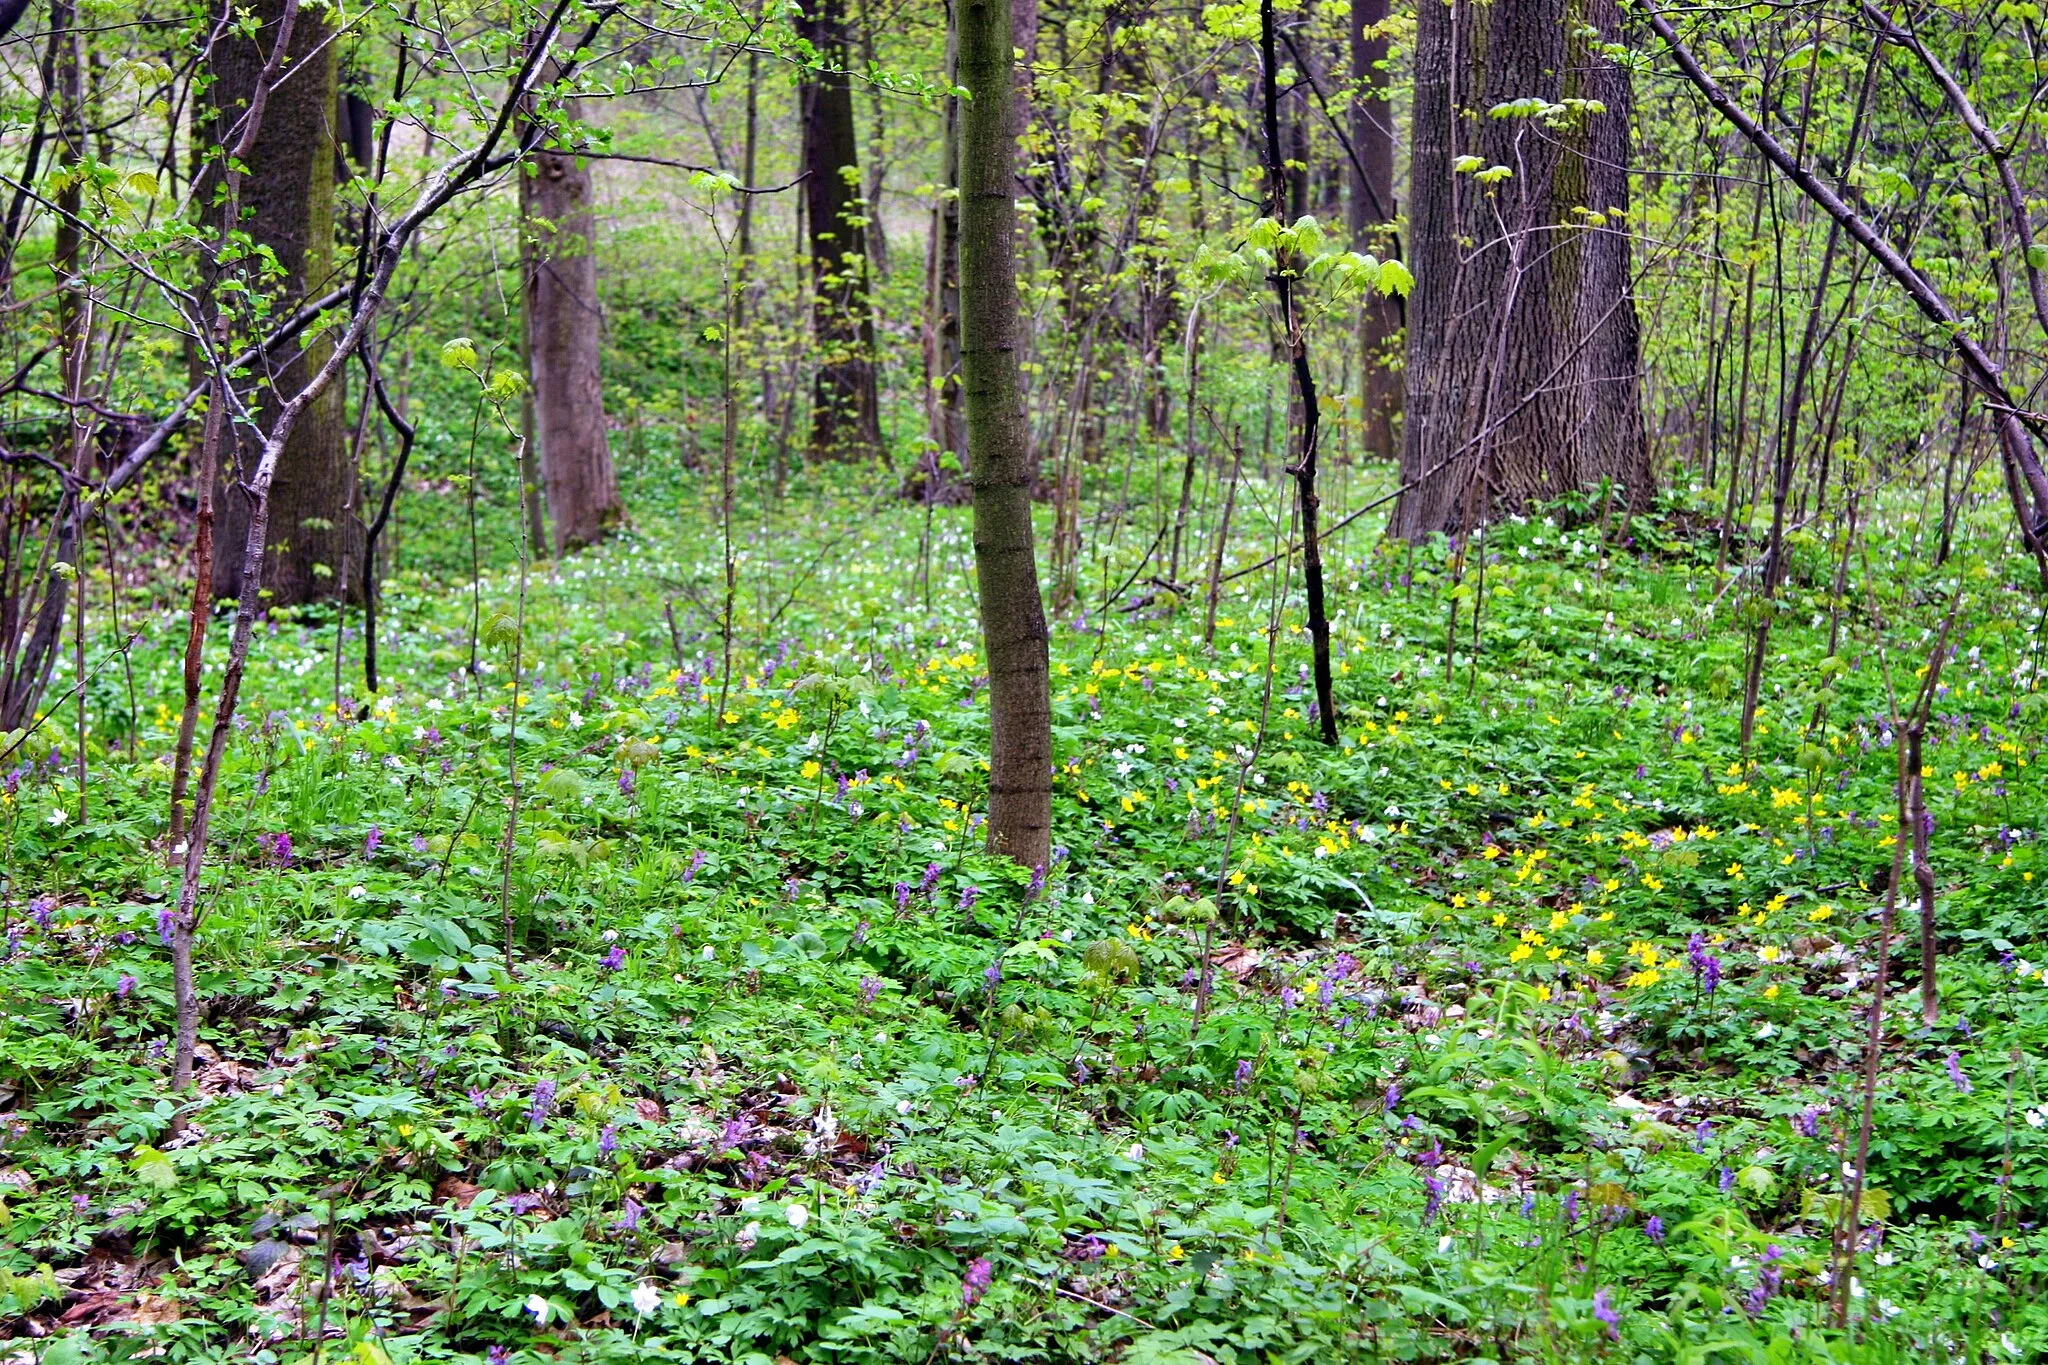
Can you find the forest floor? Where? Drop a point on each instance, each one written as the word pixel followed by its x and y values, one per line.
pixel 1536 1033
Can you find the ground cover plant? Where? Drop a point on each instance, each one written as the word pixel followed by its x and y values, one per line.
pixel 1531 1026
pixel 1030 680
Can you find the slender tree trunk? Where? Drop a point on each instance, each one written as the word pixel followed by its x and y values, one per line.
pixel 288 195
pixel 846 409
pixel 945 424
pixel 1371 212
pixel 1013 627
pixel 1307 411
pixel 1548 388
pixel 565 336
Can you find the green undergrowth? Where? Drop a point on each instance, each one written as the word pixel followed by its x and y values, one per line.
pixel 1533 1031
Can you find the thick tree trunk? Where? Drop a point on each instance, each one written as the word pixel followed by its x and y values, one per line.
pixel 845 408
pixel 1370 214
pixel 288 206
pixel 564 336
pixel 1522 379
pixel 1013 626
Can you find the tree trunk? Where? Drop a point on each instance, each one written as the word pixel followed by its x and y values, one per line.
pixel 1013 626
pixel 287 199
pixel 564 334
pixel 1371 213
pixel 1522 346
pixel 945 424
pixel 845 408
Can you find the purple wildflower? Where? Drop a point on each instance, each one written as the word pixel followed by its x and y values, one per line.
pixel 166 923
pixel 629 1216
pixel 419 843
pixel 608 1140
pixel 1807 1122
pixel 697 860
pixel 903 891
pixel 1727 1179
pixel 1705 966
pixel 1392 1098
pixel 1089 1248
pixel 372 841
pixel 124 986
pixel 968 896
pixel 1571 1206
pixel 870 987
pixel 615 959
pixel 1289 997
pixel 1653 1228
pixel 931 878
pixel 1037 886
pixel 479 1098
pixel 1436 1187
pixel 1702 1133
pixel 980 1274
pixel 41 909
pixel 626 783
pixel 1604 1309
pixel 278 847
pixel 1244 1074
pixel 993 975
pixel 543 1103
pixel 1956 1074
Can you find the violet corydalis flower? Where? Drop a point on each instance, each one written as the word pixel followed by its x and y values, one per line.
pixel 1244 1073
pixel 372 841
pixel 615 959
pixel 697 861
pixel 1604 1309
pixel 980 1275
pixel 124 986
pixel 1954 1063
pixel 1435 1186
pixel 608 1140
pixel 870 987
pixel 1705 966
pixel 968 896
pixel 543 1103
pixel 41 909
pixel 1653 1228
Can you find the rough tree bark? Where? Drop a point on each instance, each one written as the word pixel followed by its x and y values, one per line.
pixel 845 408
pixel 564 337
pixel 1013 628
pixel 1370 214
pixel 1522 381
pixel 287 201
